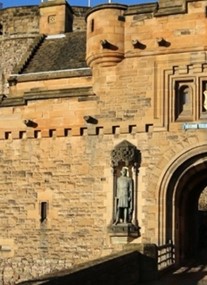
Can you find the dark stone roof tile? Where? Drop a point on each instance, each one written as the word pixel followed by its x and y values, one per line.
pixel 59 53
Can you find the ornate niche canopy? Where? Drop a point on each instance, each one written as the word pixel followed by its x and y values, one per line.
pixel 126 153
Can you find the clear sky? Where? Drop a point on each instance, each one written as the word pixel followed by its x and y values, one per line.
pixel 12 3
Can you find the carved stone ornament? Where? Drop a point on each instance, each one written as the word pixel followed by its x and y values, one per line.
pixel 125 152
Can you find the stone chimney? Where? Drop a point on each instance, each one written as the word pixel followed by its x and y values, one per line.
pixel 56 17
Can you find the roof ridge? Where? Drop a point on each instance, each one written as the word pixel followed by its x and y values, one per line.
pixel 29 54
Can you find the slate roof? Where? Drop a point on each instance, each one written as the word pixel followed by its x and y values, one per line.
pixel 58 53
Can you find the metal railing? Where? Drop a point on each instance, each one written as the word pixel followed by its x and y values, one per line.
pixel 165 255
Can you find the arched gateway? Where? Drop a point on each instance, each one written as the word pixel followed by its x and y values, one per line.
pixel 180 219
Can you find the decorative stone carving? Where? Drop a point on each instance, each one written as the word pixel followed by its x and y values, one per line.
pixel 125 152
pixel 125 159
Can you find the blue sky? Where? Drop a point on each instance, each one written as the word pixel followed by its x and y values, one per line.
pixel 12 3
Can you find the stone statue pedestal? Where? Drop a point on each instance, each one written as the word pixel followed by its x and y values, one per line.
pixel 124 230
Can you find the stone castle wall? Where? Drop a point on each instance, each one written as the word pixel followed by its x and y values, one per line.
pixel 20 20
pixel 19 27
pixel 72 173
pixel 79 22
pixel 62 169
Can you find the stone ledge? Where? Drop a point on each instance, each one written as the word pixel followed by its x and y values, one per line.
pixel 37 94
pixel 173 10
pixel 141 9
pixel 124 230
pixel 14 78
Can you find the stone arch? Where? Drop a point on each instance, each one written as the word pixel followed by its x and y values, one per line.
pixel 180 186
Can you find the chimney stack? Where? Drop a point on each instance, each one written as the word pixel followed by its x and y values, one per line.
pixel 56 17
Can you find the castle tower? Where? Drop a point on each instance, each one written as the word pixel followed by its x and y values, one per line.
pixel 56 17
pixel 105 34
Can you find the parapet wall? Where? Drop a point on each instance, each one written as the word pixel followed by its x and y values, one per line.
pixel 20 20
pixel 127 267
pixel 79 23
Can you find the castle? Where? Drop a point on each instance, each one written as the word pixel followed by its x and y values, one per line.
pixel 86 93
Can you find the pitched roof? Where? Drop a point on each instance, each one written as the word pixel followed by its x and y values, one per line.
pixel 55 53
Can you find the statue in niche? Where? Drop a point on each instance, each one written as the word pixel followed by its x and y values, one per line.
pixel 126 159
pixel 124 198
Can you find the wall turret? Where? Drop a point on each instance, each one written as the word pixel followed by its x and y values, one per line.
pixel 105 34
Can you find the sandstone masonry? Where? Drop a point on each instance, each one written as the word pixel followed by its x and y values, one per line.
pixel 142 80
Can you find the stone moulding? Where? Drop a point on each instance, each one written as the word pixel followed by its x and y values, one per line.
pixel 58 74
pixel 124 230
pixel 106 6
pixel 141 9
pixel 47 94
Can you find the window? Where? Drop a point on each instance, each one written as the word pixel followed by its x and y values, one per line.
pixel 1 29
pixel 43 211
pixel 92 25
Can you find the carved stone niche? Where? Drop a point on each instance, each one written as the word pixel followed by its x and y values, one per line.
pixel 125 159
pixel 184 100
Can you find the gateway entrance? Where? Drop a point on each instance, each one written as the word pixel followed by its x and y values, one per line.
pixel 183 205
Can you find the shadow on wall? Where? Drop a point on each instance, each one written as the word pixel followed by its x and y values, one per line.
pixel 121 269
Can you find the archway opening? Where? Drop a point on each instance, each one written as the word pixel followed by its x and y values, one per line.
pixel 184 210
pixel 188 218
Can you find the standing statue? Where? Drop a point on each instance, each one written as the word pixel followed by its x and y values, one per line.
pixel 124 197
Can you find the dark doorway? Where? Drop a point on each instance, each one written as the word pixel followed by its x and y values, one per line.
pixel 191 231
pixel 183 215
pixel 202 230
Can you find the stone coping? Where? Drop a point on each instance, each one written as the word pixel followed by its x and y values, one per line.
pixel 80 72
pixel 37 94
pixel 106 6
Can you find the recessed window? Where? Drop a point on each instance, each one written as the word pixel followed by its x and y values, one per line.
pixel 92 25
pixel 1 29
pixel 43 211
